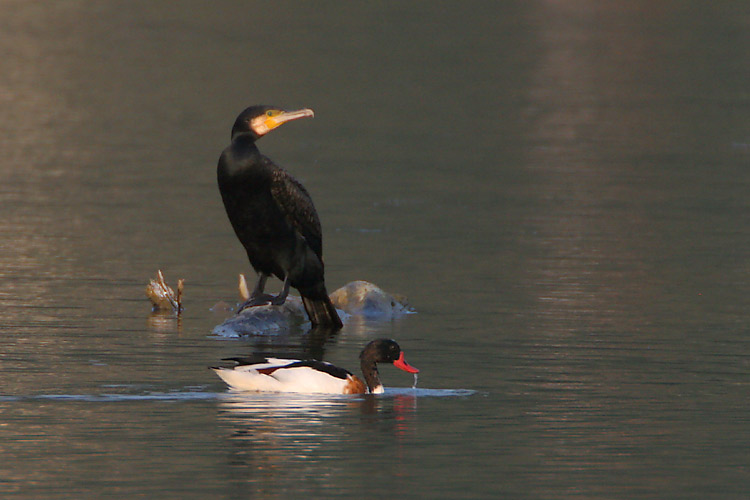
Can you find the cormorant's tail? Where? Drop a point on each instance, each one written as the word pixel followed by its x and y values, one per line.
pixel 322 312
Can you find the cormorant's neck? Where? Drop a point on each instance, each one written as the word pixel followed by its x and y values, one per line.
pixel 245 137
pixel 243 146
pixel 240 157
pixel 372 378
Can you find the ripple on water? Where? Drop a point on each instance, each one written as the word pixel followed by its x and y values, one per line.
pixel 200 395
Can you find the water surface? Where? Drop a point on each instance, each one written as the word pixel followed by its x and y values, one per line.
pixel 560 190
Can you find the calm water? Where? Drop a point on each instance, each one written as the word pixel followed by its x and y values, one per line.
pixel 560 188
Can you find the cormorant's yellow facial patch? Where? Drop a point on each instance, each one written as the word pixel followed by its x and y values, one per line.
pixel 275 117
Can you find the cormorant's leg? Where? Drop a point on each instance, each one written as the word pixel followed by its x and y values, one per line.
pixel 281 297
pixel 258 298
pixel 260 285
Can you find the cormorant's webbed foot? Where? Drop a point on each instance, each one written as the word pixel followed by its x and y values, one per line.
pixel 281 297
pixel 259 300
pixel 263 299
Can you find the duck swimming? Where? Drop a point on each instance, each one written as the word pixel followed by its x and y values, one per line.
pixel 313 376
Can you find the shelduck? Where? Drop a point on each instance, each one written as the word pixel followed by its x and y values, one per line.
pixel 312 376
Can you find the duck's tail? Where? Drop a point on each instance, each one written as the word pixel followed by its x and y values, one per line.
pixel 322 312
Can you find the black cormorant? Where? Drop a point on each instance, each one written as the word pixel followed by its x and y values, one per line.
pixel 274 217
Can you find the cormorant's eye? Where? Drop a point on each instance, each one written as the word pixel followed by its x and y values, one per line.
pixel 270 113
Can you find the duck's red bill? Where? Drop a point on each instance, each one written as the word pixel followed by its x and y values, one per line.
pixel 403 365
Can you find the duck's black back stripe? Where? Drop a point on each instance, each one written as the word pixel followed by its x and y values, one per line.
pixel 255 359
pixel 322 366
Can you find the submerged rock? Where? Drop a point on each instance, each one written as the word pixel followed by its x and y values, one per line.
pixel 266 319
pixel 356 299
pixel 362 298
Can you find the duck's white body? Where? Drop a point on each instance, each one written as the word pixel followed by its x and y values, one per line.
pixel 276 375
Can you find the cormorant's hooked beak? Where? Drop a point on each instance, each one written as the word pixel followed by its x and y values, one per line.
pixel 274 118
pixel 287 116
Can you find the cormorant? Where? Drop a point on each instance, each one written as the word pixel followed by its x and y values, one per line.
pixel 274 217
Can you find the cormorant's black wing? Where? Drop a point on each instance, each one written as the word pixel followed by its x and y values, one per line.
pixel 295 202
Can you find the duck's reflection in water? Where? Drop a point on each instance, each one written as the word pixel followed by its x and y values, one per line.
pixel 275 434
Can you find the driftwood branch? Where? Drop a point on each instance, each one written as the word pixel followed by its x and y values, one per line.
pixel 162 297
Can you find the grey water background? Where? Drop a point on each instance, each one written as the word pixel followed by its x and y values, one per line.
pixel 560 188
